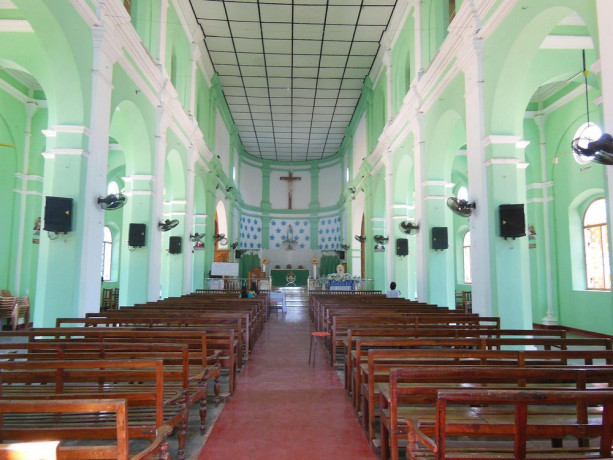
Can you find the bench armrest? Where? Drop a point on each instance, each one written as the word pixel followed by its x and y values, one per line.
pixel 161 434
pixel 415 435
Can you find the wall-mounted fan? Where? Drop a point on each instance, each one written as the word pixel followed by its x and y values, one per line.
pixel 234 245
pixel 460 207
pixel 360 238
pixel 380 239
pixel 221 239
pixel 196 238
pixel 408 227
pixel 168 224
pixel 599 150
pixel 345 246
pixel 113 201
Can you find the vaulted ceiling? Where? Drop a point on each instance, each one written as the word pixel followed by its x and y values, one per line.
pixel 292 71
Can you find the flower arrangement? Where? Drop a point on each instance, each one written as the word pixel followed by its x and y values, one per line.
pixel 265 261
pixel 314 260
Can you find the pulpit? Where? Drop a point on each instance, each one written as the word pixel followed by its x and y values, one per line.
pixel 256 275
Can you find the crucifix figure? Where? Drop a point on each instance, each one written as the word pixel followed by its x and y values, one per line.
pixel 290 182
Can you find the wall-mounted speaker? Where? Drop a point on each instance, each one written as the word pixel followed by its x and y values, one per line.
pixel 439 238
pixel 136 235
pixel 174 245
pixel 402 247
pixel 341 255
pixel 58 214
pixel 512 220
pixel 238 253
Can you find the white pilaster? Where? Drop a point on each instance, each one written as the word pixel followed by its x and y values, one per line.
pixel 550 318
pixel 189 221
pixel 420 205
pixel 105 55
pixel 157 207
pixel 31 108
pixel 604 13
pixel 472 65
pixel 389 216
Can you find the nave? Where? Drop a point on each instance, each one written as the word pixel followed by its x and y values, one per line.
pixel 285 408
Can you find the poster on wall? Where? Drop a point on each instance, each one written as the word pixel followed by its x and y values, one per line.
pixel 224 269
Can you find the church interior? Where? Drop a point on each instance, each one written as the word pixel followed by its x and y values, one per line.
pixel 457 148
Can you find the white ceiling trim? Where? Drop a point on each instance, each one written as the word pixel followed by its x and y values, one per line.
pixel 567 42
pixel 15 25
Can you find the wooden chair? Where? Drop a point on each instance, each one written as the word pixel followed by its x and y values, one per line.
pixel 7 310
pixel 22 311
pixel 467 301
pixel 107 300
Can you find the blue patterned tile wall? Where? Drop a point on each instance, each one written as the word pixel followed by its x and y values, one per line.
pixel 300 229
pixel 329 233
pixel 251 232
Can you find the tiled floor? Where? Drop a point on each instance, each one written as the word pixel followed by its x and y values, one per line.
pixel 285 409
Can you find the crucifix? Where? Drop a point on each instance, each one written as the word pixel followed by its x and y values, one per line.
pixel 290 182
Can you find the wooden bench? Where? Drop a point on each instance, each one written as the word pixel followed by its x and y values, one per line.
pixel 219 355
pixel 375 373
pixel 411 393
pixel 340 325
pixel 27 420
pixel 398 332
pixel 190 379
pixel 150 403
pixel 533 414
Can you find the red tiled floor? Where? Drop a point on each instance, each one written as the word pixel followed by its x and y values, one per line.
pixel 285 409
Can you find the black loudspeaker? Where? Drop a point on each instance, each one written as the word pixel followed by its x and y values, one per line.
pixel 58 214
pixel 136 235
pixel 341 255
pixel 238 253
pixel 174 245
pixel 402 247
pixel 512 220
pixel 439 238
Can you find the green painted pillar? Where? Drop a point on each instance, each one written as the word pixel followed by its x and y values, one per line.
pixel 509 269
pixel 266 206
pixel 134 273
pixel 314 204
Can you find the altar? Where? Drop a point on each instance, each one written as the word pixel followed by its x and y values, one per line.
pixel 289 278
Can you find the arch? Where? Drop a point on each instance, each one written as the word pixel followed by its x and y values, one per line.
pixel 129 128
pixel 221 223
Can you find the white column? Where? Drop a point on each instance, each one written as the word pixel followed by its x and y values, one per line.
pixel 189 221
pixel 551 318
pixel 105 55
pixel 31 108
pixel 192 86
pixel 389 218
pixel 387 62
pixel 157 207
pixel 420 205
pixel 604 14
pixel 472 65
pixel 419 66
pixel 162 33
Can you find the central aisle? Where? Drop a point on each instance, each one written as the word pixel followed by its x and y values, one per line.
pixel 285 409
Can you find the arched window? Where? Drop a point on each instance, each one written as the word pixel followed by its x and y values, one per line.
pixel 587 133
pixel 468 278
pixel 112 188
pixel 107 251
pixel 596 244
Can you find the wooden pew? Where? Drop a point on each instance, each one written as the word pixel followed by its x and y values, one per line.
pixel 192 380
pixel 399 332
pixel 375 374
pixel 411 393
pixel 161 320
pixel 29 419
pixel 340 325
pixel 521 425
pixel 150 403
pixel 198 342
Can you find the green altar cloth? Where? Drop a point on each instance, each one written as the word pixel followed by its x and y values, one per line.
pixel 279 277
